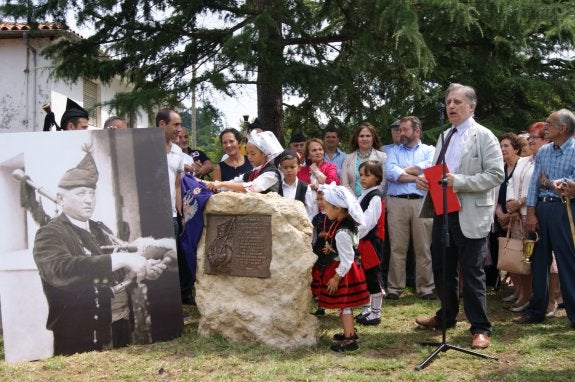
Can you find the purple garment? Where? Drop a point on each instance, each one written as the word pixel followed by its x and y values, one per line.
pixel 195 195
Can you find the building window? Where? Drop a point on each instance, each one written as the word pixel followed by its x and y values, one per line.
pixel 90 102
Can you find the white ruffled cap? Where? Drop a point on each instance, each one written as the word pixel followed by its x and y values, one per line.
pixel 342 197
pixel 267 142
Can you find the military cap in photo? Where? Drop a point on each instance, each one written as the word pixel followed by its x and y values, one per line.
pixel 85 174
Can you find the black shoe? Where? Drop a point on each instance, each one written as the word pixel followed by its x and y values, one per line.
pixel 341 337
pixel 392 296
pixel 361 315
pixel 188 300
pixel 369 321
pixel 343 347
pixel 429 297
pixel 319 312
pixel 526 319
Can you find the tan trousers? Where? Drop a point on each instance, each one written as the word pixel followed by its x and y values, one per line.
pixel 403 223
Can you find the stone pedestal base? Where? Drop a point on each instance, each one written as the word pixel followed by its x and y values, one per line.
pixel 273 311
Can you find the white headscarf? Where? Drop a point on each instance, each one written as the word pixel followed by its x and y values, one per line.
pixel 342 197
pixel 267 142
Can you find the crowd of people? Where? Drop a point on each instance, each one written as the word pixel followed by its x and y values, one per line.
pixel 494 186
pixel 371 205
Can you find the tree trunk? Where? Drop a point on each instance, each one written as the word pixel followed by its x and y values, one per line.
pixel 269 80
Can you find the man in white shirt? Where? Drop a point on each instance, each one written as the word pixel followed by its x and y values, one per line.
pixel 475 163
pixel 171 122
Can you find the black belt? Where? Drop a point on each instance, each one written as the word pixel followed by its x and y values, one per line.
pixel 407 196
pixel 550 199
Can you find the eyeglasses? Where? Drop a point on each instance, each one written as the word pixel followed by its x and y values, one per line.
pixel 533 137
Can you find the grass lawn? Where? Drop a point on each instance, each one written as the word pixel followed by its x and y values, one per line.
pixel 389 352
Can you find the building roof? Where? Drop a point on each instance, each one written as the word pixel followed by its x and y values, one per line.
pixel 10 29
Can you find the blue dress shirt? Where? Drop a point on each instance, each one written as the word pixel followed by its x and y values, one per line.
pixel 400 157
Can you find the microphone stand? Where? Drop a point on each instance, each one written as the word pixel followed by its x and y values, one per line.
pixel 444 346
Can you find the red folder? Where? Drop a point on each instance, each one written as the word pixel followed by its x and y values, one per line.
pixel 433 175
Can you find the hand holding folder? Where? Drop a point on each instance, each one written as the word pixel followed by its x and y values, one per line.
pixel 434 175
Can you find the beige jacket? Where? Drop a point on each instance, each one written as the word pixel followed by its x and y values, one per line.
pixel 480 171
pixel 349 168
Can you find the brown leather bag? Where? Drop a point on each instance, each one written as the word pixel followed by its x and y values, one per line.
pixel 511 257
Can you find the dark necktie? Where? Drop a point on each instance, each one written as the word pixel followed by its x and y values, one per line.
pixel 445 145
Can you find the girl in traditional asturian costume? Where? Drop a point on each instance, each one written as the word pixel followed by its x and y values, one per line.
pixel 321 226
pixel 262 148
pixel 342 285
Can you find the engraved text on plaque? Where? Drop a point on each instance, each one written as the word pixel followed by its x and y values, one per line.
pixel 239 245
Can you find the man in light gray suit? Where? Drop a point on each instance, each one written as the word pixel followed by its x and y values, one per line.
pixel 475 164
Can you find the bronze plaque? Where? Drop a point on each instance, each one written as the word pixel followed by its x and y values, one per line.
pixel 239 245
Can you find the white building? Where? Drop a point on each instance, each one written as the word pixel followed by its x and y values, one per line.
pixel 26 83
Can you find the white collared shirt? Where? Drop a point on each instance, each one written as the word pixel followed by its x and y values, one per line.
pixel 289 190
pixel 310 197
pixel 455 148
pixel 78 223
pixel 175 165
pixel 371 214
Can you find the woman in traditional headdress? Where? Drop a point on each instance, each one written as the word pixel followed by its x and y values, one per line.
pixel 262 149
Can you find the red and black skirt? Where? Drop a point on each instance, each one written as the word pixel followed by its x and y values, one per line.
pixel 316 273
pixel 352 290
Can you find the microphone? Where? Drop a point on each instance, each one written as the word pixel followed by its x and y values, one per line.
pixel 20 175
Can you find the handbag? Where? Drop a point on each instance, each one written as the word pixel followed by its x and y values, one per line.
pixel 511 257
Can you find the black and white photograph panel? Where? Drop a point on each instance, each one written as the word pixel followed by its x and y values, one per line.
pixel 87 248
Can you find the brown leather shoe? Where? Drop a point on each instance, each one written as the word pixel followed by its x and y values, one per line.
pixel 428 322
pixel 480 341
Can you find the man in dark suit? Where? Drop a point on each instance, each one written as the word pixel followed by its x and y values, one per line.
pixel 475 164
pixel 77 274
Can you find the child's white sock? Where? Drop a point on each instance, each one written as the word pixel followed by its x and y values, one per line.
pixel 376 301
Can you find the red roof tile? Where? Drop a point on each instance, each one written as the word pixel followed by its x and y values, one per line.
pixel 12 26
pixel 44 27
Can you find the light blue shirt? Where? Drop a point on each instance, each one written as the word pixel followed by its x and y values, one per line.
pixel 338 159
pixel 556 163
pixel 400 157
pixel 386 148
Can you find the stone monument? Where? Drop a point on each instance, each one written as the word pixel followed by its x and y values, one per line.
pixel 254 302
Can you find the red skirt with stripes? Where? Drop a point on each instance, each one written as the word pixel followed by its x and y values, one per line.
pixel 316 272
pixel 352 290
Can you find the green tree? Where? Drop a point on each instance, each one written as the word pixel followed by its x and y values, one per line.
pixel 208 125
pixel 350 60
